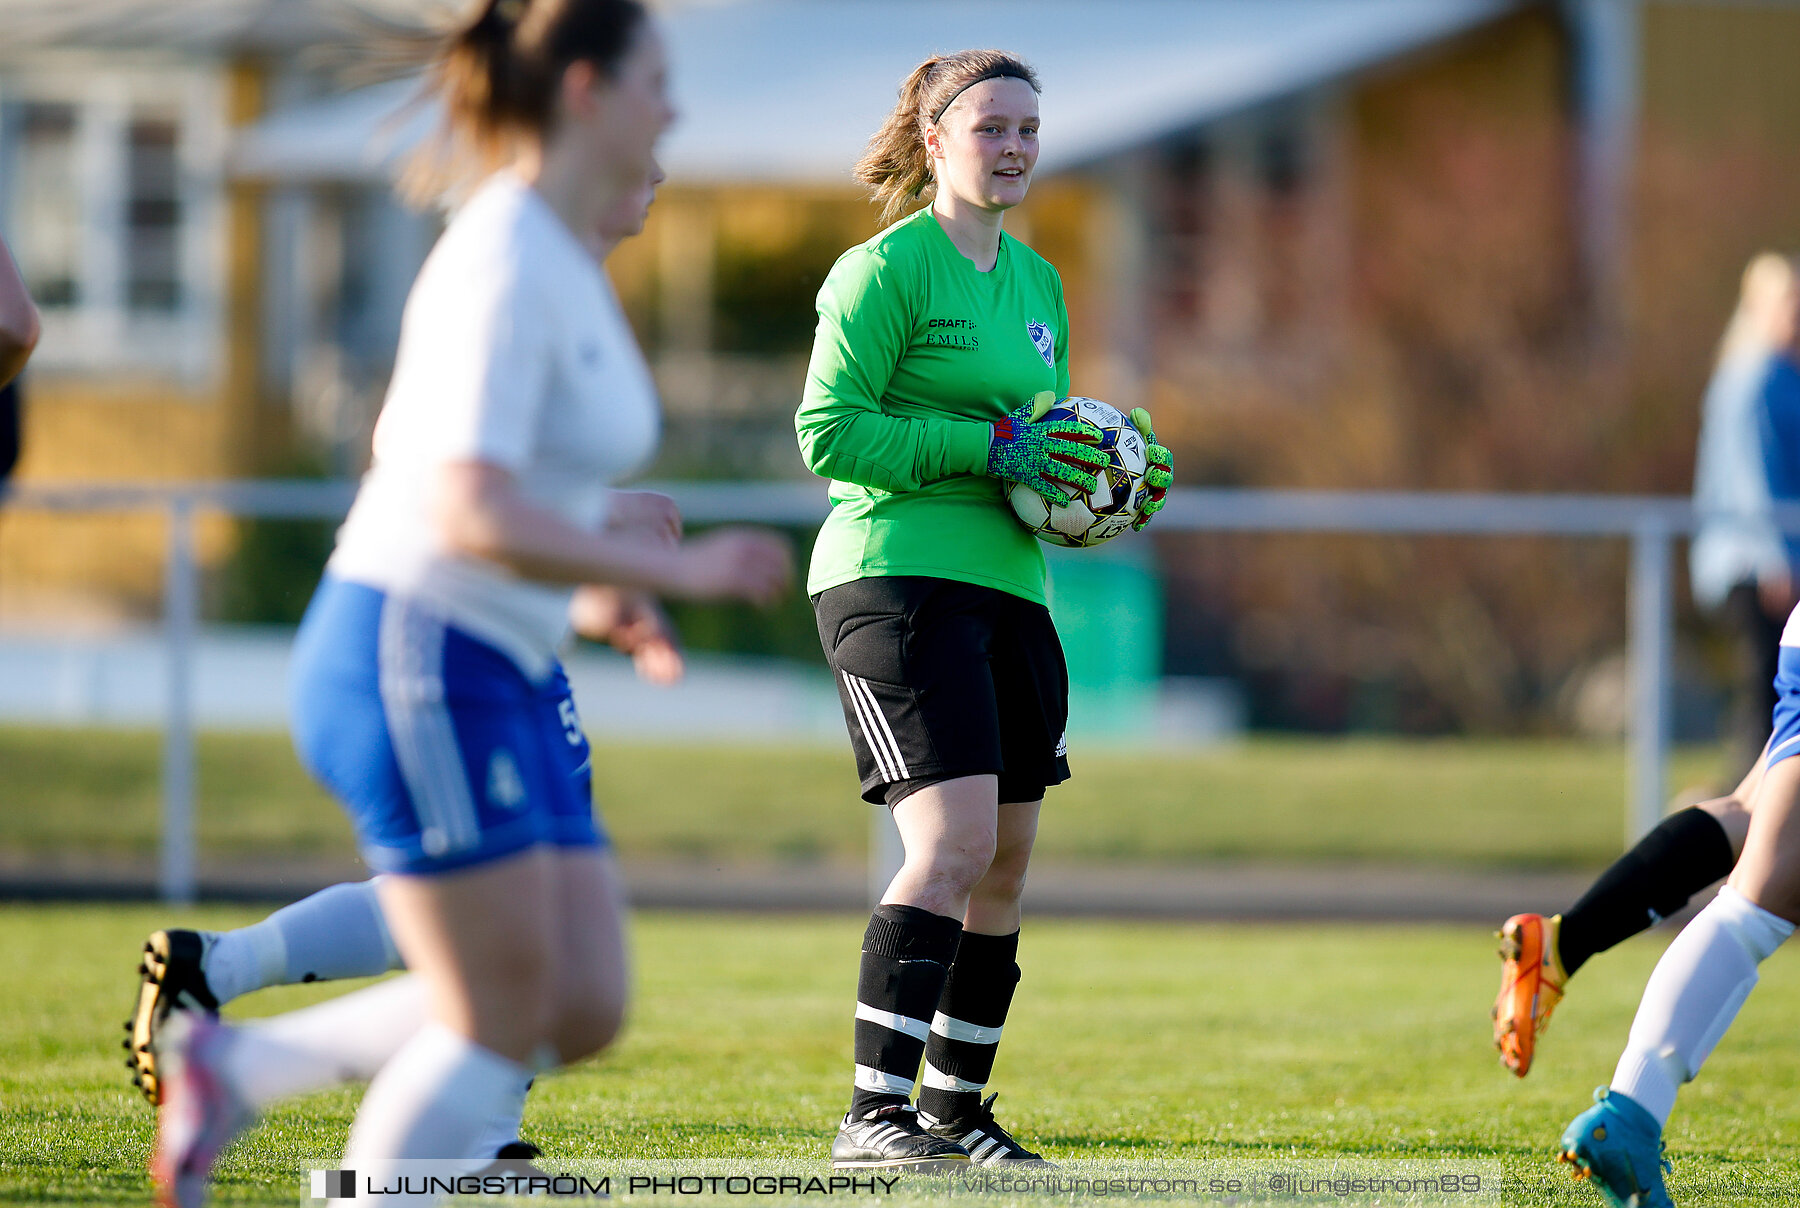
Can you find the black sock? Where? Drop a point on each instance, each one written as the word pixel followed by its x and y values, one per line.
pixel 1682 855
pixel 965 1035
pixel 906 955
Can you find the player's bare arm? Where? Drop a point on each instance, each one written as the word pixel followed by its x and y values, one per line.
pixel 480 511
pixel 646 513
pixel 19 328
pixel 633 623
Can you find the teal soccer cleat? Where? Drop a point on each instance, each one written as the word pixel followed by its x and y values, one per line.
pixel 1618 1145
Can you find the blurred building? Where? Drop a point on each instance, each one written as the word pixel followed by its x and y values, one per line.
pixel 203 210
pixel 1399 243
pixel 196 325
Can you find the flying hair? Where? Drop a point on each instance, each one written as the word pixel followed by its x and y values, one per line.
pixel 896 166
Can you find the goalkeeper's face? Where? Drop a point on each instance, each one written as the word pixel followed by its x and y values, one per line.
pixel 984 147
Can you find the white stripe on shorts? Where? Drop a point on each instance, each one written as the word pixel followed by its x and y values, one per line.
pixel 1776 750
pixel 895 767
pixel 425 747
pixel 935 1077
pixel 956 1029
pixel 918 1029
pixel 436 737
pixel 862 718
pixel 871 1079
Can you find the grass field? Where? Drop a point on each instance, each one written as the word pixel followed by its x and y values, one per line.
pixel 1522 802
pixel 1126 1040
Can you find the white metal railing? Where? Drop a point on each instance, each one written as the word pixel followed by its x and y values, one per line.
pixel 1650 523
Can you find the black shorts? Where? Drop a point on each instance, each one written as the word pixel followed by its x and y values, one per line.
pixel 941 679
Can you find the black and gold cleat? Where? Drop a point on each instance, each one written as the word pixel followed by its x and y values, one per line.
pixel 170 977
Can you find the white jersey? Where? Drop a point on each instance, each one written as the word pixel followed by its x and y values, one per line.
pixel 513 352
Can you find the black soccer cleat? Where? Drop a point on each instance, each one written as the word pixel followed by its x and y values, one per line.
pixel 518 1160
pixel 170 978
pixel 988 1144
pixel 891 1137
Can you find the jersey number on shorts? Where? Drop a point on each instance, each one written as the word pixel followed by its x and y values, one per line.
pixel 565 709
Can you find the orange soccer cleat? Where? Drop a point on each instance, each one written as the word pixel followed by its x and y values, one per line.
pixel 1531 984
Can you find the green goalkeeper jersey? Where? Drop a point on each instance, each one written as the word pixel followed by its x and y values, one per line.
pixel 916 354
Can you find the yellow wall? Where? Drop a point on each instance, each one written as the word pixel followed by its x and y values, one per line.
pixel 57 566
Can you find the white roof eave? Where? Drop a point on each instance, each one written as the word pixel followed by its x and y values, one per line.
pixel 788 91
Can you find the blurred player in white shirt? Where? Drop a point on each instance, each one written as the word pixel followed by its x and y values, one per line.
pixel 339 932
pixel 427 692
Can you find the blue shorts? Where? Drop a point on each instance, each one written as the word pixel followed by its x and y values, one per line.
pixel 1784 740
pixel 439 748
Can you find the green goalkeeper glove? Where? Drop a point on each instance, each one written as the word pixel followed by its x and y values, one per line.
pixel 1052 457
pixel 1159 476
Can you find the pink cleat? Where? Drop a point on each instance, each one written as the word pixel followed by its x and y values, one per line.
pixel 200 1115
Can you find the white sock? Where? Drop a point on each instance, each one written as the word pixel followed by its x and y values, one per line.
pixel 1695 992
pixel 431 1101
pixel 502 1127
pixel 337 932
pixel 346 1039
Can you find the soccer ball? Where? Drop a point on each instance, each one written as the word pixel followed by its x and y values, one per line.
pixel 1111 507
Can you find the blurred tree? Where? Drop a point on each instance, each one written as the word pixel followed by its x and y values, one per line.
pixel 275 565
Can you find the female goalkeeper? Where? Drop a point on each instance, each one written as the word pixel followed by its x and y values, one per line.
pixel 940 342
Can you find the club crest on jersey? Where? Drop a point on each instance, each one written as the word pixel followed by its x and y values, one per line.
pixel 1044 340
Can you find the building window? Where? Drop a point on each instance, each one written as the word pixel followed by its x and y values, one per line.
pixel 1240 217
pixel 47 207
pixel 112 195
pixel 1182 218
pixel 1283 174
pixel 152 215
